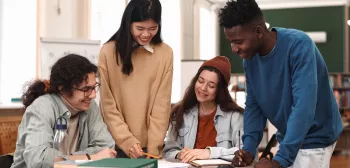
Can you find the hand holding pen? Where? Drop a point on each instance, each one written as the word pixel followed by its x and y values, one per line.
pixel 151 155
pixel 242 157
pixel 135 151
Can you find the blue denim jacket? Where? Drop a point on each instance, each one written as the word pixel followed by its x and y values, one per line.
pixel 226 124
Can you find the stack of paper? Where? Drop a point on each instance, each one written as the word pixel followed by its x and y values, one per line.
pixel 210 162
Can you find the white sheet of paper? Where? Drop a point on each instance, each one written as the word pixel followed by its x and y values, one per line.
pixel 211 162
pixel 72 162
pixel 166 164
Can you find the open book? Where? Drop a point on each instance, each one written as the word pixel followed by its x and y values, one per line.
pixel 209 162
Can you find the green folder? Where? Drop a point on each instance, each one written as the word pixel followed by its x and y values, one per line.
pixel 121 163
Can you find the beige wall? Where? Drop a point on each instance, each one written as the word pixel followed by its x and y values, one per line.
pixel 66 19
pixel 187 17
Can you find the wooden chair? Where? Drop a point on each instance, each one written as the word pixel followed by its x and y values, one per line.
pixel 8 134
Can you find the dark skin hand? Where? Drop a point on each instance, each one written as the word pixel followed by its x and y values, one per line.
pixel 242 158
pixel 265 163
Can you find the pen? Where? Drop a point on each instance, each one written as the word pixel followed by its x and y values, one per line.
pixel 239 139
pixel 239 143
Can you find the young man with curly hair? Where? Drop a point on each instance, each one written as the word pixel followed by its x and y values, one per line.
pixel 68 95
pixel 287 83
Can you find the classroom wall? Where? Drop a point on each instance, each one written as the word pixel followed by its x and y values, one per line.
pixel 54 23
pixel 329 19
pixel 347 40
pixel 187 26
pixel 66 19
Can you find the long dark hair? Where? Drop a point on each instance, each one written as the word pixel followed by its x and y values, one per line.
pixel 223 98
pixel 136 11
pixel 68 71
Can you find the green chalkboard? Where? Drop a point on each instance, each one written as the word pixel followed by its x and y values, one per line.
pixel 328 19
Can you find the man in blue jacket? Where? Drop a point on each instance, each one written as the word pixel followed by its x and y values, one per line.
pixel 287 83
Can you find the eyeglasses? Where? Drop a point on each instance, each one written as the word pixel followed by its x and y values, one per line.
pixel 88 90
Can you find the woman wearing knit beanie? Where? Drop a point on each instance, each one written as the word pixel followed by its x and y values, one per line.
pixel 206 123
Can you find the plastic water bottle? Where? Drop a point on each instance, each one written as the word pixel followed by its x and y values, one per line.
pixel 60 141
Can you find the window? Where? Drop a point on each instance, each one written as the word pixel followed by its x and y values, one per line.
pixel 208 33
pixel 1 39
pixel 105 18
pixel 171 33
pixel 18 46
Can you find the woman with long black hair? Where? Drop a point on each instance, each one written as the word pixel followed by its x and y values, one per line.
pixel 136 70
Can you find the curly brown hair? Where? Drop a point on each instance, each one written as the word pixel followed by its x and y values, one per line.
pixel 68 71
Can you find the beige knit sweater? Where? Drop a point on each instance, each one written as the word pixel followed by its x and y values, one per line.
pixel 136 108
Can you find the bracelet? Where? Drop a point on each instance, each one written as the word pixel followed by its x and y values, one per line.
pixel 88 156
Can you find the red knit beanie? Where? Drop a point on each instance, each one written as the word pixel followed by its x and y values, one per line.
pixel 222 64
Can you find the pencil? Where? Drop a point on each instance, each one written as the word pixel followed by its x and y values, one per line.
pixel 150 155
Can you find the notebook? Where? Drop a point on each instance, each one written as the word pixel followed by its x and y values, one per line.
pixel 210 162
pixel 121 163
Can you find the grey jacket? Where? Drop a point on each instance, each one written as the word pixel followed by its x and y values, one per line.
pixel 34 147
pixel 226 124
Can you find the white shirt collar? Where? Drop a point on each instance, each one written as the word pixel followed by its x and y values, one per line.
pixel 149 48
